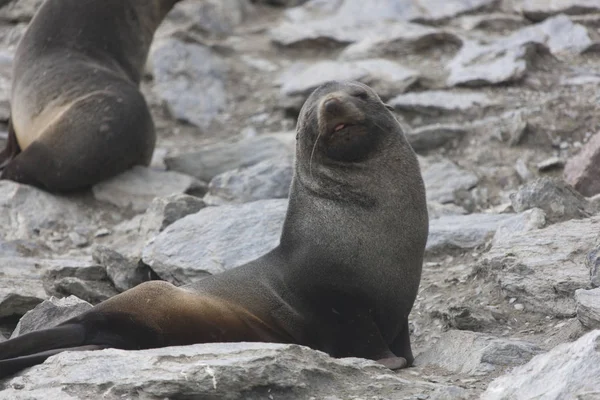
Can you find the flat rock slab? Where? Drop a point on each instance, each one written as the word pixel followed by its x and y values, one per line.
pixel 136 188
pixel 568 371
pixel 217 158
pixel 21 287
pixel 542 9
pixel 439 102
pixel 215 239
pixel 385 77
pixel 347 21
pixel 485 353
pixel 543 268
pixel 430 137
pixel 269 179
pixel 583 170
pixel 443 178
pixel 463 231
pixel 214 371
pixel 588 307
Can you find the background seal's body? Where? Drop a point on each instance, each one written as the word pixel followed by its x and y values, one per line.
pixel 77 115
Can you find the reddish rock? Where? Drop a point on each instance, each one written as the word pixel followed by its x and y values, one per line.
pixel 583 170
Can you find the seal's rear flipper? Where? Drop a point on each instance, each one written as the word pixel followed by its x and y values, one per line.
pixel 11 149
pixel 14 365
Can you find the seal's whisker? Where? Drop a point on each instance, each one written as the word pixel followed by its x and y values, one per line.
pixel 312 153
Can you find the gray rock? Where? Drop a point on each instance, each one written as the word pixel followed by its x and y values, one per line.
pixel 508 59
pixel 217 158
pixel 568 371
pixel 136 188
pixel 6 60
pixel 400 39
pixel 347 21
pixel 286 3
pixel 163 211
pixel 588 307
pixel 543 268
pixel 21 287
pixel 559 200
pixel 433 136
pixel 122 272
pixel 443 178
pixel 218 17
pixel 463 231
pixel 386 77
pixel 213 371
pixel 190 79
pixel 592 262
pixel 438 102
pixel 269 179
pixel 50 313
pixel 541 9
pixel 19 10
pixel 81 278
pixel 509 127
pixel 523 222
pixel 215 239
pixel 496 22
pixel 550 164
pixel 20 216
pixel 437 210
pixel 583 170
pixel 485 353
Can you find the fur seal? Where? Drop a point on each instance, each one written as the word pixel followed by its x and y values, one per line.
pixel 77 115
pixel 343 279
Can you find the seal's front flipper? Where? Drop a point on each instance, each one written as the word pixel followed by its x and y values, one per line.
pixel 393 362
pixel 11 149
pixel 401 344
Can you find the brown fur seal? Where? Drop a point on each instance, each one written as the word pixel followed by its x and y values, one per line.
pixel 77 115
pixel 342 280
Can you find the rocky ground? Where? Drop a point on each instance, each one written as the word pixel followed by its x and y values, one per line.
pixel 499 99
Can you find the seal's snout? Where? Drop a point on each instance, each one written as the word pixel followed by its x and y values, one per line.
pixel 332 105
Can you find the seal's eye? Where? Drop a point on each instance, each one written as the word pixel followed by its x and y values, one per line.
pixel 361 95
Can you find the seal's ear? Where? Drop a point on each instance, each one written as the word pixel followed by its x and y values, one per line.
pixel 388 107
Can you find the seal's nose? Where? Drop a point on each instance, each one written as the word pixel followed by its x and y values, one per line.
pixel 331 105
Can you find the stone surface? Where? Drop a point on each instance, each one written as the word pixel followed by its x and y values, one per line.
pixel 485 353
pixel 588 307
pixel 6 60
pixel 217 158
pixel 189 78
pixel 19 10
pixel 400 39
pixel 568 371
pixel 269 179
pixel 592 262
pixel 21 287
pixel 541 9
pixel 543 268
pixel 437 102
pixel 81 278
pixel 214 371
pixel 136 188
pixel 50 313
pixel 443 178
pixel 122 272
pixel 525 221
pixel 215 239
pixel 386 77
pixel 583 170
pixel 463 231
pixel 216 17
pixel 559 200
pixel 437 210
pixel 163 211
pixel 433 136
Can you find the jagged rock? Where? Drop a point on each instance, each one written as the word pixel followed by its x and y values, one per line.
pixel 190 79
pixel 81 278
pixel 464 317
pixel 541 9
pixel 21 216
pixel 568 371
pixel 583 170
pixel 443 178
pixel 217 158
pixel 509 127
pixel 399 40
pixel 523 222
pixel 215 239
pixel 215 371
pixel 136 188
pixel 463 231
pixel 542 268
pixel 19 10
pixel 433 136
pixel 21 286
pixel 386 77
pixel 588 307
pixel 347 21
pixel 219 17
pixel 6 61
pixel 437 210
pixel 124 273
pixel 485 353
pixel 498 22
pixel 559 200
pixel 592 262
pixel 508 59
pixel 550 164
pixel 269 179
pixel 50 313
pixel 438 102
pixel 163 211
